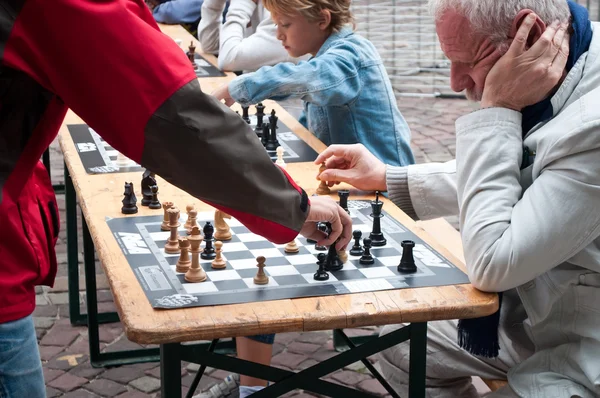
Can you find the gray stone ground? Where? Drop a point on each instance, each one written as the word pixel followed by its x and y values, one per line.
pixel 64 348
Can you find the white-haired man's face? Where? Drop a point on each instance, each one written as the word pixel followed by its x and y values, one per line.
pixel 471 56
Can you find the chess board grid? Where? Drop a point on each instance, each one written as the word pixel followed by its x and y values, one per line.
pixel 290 275
pixel 99 157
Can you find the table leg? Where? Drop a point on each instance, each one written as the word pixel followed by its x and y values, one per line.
pixel 170 370
pixel 418 359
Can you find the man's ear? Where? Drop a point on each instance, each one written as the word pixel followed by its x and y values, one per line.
pixel 325 20
pixel 537 29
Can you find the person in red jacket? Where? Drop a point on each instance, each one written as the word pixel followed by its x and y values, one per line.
pixel 109 63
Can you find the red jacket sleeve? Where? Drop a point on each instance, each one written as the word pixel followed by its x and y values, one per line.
pixel 109 62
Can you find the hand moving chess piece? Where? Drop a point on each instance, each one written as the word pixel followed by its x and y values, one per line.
pixel 172 246
pixel 209 250
pixel 165 223
pixel 184 262
pixel 367 258
pixel 192 215
pixel 148 180
pixel 322 189
pixel 129 200
pixel 376 236
pixel 357 249
pixel 261 278
pixel 280 162
pixel 154 203
pixel 196 273
pixel 407 262
pixel 321 274
pixel 223 231
pixel 291 247
pixel 219 262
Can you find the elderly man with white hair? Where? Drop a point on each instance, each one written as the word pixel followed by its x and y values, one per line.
pixel 526 184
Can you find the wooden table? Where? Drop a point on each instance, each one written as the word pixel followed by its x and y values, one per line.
pixel 100 197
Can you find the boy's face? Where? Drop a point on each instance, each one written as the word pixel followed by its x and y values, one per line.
pixel 300 36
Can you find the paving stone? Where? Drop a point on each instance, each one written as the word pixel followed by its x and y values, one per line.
pixel 39 333
pixel 109 332
pixel 43 322
pixel 372 386
pixel 67 382
pixel 49 351
pixel 82 346
pixel 286 338
pixel 106 388
pixel 47 311
pixel 52 392
pixel 124 374
pixel 40 300
pixel 220 374
pixel 289 359
pixel 123 344
pixel 80 393
pixel 60 335
pixel 349 378
pixel 193 367
pixel 302 348
pixel 146 384
pixel 51 374
pixel 58 298
pixel 145 365
pixel 86 370
pixel 307 364
pixel 104 296
pixel 277 348
pixel 107 307
pixel 319 338
pixel 156 372
pixel 323 354
pixel 357 366
pixel 134 394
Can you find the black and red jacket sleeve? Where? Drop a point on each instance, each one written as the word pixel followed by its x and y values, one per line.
pixel 109 63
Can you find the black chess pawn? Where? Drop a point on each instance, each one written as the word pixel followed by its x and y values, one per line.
pixel 344 194
pixel 407 262
pixel 333 262
pixel 245 115
pixel 265 134
pixel 321 274
pixel 376 236
pixel 148 180
pixel 357 249
pixel 129 200
pixel 367 258
pixel 154 203
pixel 209 251
pixel 260 113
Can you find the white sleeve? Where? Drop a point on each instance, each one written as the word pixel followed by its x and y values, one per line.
pixel 424 191
pixel 210 25
pixel 239 53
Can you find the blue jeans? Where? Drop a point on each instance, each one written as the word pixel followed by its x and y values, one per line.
pixel 20 365
pixel 263 338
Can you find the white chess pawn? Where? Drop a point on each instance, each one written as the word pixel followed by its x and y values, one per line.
pixel 122 160
pixel 280 162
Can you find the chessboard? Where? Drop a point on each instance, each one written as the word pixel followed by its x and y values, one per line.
pixel 289 275
pixel 203 68
pixel 99 157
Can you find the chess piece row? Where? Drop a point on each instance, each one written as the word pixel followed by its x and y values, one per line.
pixel 130 200
pixel 267 132
pixel 407 261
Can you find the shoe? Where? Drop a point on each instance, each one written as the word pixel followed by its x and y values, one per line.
pixel 228 388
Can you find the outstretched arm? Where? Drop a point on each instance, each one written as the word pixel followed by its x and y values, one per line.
pixel 153 112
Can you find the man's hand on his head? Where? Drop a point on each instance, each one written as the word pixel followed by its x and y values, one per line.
pixel 222 93
pixel 524 76
pixel 353 164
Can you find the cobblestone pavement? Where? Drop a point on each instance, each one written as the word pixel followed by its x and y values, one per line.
pixel 64 348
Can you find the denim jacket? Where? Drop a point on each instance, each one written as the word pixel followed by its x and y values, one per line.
pixel 347 94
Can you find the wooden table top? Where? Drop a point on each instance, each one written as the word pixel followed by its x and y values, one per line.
pixel 100 197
